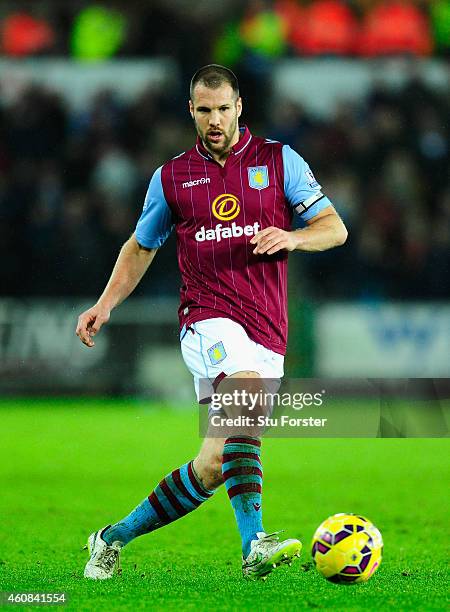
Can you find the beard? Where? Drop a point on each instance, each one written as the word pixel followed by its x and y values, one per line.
pixel 217 141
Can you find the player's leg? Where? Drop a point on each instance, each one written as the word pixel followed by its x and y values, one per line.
pixel 242 466
pixel 208 463
pixel 236 461
pixel 219 351
pixel 243 476
pixel 179 493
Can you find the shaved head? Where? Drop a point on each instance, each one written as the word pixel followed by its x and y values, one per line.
pixel 214 76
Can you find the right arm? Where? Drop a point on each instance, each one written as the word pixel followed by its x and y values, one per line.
pixel 153 227
pixel 130 267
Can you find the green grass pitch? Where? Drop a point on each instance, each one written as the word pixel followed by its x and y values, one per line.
pixel 68 467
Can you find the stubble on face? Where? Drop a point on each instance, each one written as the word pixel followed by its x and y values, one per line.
pixel 215 113
pixel 209 138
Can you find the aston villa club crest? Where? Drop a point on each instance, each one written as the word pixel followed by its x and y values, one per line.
pixel 217 353
pixel 258 177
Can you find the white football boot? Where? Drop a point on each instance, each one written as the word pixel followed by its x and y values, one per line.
pixel 267 553
pixel 104 558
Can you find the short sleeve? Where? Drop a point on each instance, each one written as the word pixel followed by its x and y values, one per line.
pixel 301 190
pixel 155 223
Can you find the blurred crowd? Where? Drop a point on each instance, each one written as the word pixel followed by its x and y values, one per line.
pixel 233 29
pixel 72 187
pixel 385 165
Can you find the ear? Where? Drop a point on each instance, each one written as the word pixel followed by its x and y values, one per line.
pixel 239 106
pixel 191 108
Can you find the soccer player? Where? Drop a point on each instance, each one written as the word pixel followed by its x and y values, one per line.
pixel 231 200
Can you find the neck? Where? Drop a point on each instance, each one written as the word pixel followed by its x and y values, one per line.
pixel 220 158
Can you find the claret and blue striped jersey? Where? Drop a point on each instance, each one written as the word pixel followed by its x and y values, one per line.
pixel 215 211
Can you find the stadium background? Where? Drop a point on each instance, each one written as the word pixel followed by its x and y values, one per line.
pixel 93 97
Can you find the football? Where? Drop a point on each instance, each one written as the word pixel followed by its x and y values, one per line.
pixel 347 548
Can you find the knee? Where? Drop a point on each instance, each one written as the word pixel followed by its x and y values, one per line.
pixel 214 470
pixel 209 470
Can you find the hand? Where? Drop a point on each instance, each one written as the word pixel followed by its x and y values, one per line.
pixel 90 322
pixel 273 239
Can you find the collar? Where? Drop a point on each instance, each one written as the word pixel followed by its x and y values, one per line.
pixel 242 143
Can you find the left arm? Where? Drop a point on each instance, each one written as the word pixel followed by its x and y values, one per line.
pixel 325 231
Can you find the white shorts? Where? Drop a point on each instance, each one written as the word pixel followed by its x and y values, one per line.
pixel 219 347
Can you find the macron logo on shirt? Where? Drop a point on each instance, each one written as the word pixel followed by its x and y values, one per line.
pixel 201 181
